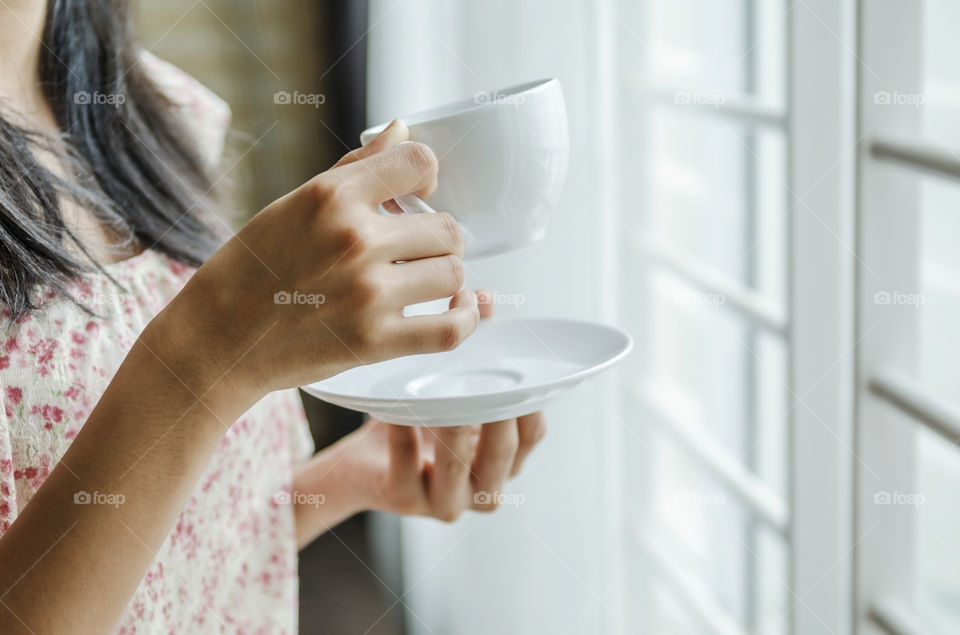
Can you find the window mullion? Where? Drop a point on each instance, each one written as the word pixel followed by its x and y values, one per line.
pixel 889 243
pixel 821 111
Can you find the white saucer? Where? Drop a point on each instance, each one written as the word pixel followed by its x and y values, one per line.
pixel 508 368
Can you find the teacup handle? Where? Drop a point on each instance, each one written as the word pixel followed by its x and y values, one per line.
pixel 413 204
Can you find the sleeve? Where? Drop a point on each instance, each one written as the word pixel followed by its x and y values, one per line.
pixel 8 490
pixel 206 115
pixel 301 440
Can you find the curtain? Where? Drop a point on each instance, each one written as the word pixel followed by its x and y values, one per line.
pixel 551 564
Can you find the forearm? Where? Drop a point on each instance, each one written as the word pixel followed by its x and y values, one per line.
pixel 329 475
pixel 147 440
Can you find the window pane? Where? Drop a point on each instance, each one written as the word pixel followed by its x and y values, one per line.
pixel 939 300
pixel 705 365
pixel 938 539
pixel 713 190
pixel 710 188
pixel 688 515
pixel 940 81
pixel 710 48
pixel 662 610
pixel 938 463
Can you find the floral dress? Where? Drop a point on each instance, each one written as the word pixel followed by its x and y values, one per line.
pixel 230 563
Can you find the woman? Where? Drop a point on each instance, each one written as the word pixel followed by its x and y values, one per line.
pixel 147 375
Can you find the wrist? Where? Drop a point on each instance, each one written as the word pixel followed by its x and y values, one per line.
pixel 342 473
pixel 333 475
pixel 188 359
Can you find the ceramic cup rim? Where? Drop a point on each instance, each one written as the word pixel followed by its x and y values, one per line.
pixel 468 106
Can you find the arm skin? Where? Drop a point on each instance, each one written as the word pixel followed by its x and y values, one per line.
pixel 219 346
pixel 73 568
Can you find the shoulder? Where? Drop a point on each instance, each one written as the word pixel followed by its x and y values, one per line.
pixel 205 113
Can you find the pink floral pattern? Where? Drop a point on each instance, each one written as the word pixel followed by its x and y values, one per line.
pixel 230 563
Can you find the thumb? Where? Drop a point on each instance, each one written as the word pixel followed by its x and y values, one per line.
pixel 390 136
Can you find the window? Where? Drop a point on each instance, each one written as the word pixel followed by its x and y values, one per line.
pixel 908 363
pixel 709 231
pixel 771 194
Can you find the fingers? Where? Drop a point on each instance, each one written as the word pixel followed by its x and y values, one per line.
pixel 407 168
pixel 493 462
pixel 406 489
pixel 531 429
pixel 437 333
pixel 472 463
pixel 426 279
pixel 390 166
pixel 414 236
pixel 404 444
pixel 393 134
pixel 449 488
pixel 485 302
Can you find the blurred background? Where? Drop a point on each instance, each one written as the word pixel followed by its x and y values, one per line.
pixel 764 193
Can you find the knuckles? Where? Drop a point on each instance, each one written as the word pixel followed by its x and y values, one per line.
pixel 406 503
pixel 449 337
pixel 364 340
pixel 344 239
pixel 455 273
pixel 324 191
pixel 354 155
pixel 420 158
pixel 540 431
pixel 366 290
pixel 504 450
pixel 532 434
pixel 451 232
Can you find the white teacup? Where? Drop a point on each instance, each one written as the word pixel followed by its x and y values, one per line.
pixel 503 161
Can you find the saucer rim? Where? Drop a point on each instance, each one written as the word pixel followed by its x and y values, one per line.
pixel 566 380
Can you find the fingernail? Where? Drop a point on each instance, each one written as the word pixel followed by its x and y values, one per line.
pixel 395 132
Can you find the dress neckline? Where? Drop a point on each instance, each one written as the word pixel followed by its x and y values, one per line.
pixel 128 262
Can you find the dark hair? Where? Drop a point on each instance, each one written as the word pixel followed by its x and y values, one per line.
pixel 129 162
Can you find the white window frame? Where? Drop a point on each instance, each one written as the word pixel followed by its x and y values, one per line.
pixel 892 406
pixel 821 144
pixel 816 520
pixel 855 408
